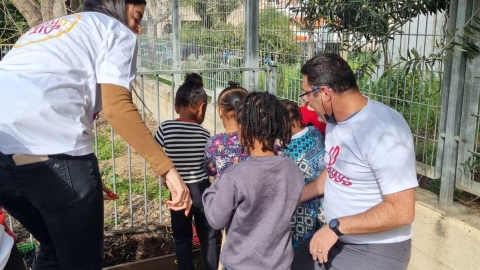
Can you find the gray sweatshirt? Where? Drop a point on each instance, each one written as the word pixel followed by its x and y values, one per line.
pixel 256 198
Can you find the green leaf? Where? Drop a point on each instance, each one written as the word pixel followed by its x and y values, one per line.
pixel 415 53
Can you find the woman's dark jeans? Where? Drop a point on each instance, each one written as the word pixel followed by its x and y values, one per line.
pixel 182 232
pixel 15 261
pixel 60 201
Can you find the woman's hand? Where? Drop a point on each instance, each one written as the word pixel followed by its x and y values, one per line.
pixel 180 194
pixel 108 194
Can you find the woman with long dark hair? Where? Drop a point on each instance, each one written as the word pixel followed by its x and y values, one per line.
pixel 54 81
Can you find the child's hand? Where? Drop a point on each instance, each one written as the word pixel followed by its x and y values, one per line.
pixel 108 194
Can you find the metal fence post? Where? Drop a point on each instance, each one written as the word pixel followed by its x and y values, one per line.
pixel 467 138
pixel 176 41
pixel 272 83
pixel 138 55
pixel 452 105
pixel 251 43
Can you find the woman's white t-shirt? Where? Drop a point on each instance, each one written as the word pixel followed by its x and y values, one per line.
pixel 49 82
pixel 6 244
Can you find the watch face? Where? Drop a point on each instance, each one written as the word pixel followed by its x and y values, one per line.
pixel 333 223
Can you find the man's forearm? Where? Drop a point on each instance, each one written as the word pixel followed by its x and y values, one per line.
pixel 314 188
pixel 387 215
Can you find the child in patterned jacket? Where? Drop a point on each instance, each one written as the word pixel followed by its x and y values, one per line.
pixel 224 149
pixel 307 150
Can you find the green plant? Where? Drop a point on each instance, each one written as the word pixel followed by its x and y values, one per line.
pixel 104 147
pixel 472 164
pixel 165 194
pixel 13 25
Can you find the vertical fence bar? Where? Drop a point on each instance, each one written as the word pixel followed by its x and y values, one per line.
pixel 251 42
pixel 145 198
pixel 172 97
pixel 272 83
pixel 114 177
pixel 469 120
pixel 176 40
pixel 130 191
pixel 455 86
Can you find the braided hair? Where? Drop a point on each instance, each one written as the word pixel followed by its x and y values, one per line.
pixel 262 117
pixel 231 97
pixel 293 111
pixel 191 92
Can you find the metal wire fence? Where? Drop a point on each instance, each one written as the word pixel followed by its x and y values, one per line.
pixel 4 49
pixel 211 36
pixel 141 205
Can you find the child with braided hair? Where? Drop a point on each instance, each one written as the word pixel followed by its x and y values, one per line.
pixel 224 149
pixel 258 196
pixel 307 150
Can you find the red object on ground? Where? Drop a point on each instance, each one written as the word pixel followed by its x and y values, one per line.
pixel 195 240
pixel 311 117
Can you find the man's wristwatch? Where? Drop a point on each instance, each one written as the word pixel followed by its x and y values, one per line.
pixel 334 224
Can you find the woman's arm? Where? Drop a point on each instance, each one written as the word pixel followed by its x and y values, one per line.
pixel 124 118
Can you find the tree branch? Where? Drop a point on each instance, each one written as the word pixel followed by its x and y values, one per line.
pixel 29 11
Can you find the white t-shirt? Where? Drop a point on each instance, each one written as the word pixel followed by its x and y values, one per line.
pixel 49 82
pixel 6 244
pixel 368 156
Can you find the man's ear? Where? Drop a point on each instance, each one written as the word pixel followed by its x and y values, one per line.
pixel 177 109
pixel 327 93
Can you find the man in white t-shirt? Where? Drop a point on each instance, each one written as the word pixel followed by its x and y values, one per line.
pixel 369 184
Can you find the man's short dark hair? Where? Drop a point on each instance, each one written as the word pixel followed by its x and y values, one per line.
pixel 330 69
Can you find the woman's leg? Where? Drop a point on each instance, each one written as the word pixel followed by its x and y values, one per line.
pixel 31 219
pixel 67 193
pixel 206 234
pixel 15 262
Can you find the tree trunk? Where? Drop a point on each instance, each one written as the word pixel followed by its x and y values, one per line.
pixel 59 9
pixel 35 13
pixel 47 9
pixel 74 6
pixel 310 42
pixel 52 9
pixel 30 10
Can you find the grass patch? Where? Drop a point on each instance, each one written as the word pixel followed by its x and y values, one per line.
pixel 103 148
pixel 122 186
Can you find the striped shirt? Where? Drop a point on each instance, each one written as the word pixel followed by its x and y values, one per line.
pixel 184 143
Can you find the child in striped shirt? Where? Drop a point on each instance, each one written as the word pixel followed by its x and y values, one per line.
pixel 184 141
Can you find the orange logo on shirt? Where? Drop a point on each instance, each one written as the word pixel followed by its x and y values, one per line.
pixel 48 30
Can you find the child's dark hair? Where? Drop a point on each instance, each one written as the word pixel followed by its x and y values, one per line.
pixel 231 97
pixel 293 111
pixel 191 92
pixel 262 117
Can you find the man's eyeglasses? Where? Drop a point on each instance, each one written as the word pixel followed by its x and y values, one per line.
pixel 306 93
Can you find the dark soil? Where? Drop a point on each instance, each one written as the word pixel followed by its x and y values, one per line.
pixel 132 248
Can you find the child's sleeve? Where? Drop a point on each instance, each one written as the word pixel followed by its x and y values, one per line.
pixel 220 201
pixel 210 165
pixel 159 135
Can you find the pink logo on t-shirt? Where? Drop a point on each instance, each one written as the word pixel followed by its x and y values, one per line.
pixel 332 173
pixel 334 151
